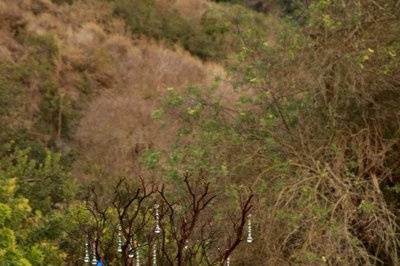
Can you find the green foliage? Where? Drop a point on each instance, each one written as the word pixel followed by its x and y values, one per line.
pixel 54 106
pixel 367 207
pixel 34 188
pixel 157 114
pixel 145 18
pixel 151 158
pixel 174 99
pixel 215 36
pixel 11 77
pixel 17 223
pixel 296 9
pixel 46 183
pixel 395 188
pixel 38 67
pixel 63 1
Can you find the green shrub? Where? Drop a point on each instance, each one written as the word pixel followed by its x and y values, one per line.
pixel 214 37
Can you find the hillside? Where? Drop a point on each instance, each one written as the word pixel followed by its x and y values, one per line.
pixel 199 132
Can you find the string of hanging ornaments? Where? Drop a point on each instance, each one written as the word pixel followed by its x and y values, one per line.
pixel 94 255
pixel 134 248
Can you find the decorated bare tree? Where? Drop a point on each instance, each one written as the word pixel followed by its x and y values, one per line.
pixel 189 223
pixel 154 225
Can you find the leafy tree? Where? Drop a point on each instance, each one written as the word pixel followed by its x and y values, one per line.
pixel 46 183
pixel 33 197
pixel 17 224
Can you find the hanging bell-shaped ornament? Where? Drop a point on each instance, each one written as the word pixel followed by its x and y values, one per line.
pixel 94 255
pixel 86 259
pixel 157 228
pixel 249 230
pixel 119 240
pixel 130 255
pixel 155 254
pixel 137 256
pixel 228 261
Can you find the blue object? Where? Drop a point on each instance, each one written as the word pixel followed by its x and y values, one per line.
pixel 99 263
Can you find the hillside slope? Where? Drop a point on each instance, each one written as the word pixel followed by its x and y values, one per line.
pixel 263 138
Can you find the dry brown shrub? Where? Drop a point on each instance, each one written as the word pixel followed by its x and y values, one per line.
pixel 82 12
pixel 191 9
pixel 11 17
pixel 10 49
pixel 89 36
pixel 119 120
pixel 43 23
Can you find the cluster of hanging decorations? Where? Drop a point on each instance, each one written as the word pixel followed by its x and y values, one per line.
pixel 134 249
pixel 157 231
pixel 87 256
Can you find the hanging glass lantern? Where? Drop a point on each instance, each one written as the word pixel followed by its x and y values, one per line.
pixel 249 235
pixel 86 258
